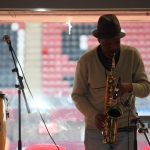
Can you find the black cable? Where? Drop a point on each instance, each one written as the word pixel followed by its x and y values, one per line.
pixel 128 127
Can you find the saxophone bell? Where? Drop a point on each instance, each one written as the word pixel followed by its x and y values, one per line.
pixel 114 112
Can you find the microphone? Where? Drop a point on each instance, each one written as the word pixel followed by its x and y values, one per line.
pixel 6 38
pixel 117 90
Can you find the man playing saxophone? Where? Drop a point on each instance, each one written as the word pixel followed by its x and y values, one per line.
pixel 92 90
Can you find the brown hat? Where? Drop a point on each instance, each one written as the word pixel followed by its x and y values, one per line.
pixel 108 27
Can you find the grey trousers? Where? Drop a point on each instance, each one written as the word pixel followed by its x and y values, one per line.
pixel 93 141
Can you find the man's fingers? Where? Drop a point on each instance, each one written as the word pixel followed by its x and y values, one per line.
pixel 100 125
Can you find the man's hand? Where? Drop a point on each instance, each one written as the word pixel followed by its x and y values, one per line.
pixel 126 87
pixel 100 121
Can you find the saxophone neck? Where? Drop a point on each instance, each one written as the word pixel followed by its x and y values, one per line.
pixel 113 63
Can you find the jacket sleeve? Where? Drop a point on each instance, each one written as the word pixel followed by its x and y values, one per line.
pixel 79 94
pixel 141 85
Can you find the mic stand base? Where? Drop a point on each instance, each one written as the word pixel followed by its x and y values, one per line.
pixel 19 119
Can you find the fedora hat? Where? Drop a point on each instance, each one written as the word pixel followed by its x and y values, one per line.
pixel 108 27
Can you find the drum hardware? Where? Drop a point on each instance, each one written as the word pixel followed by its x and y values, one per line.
pixel 7 112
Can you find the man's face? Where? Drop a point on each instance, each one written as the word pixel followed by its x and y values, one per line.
pixel 110 46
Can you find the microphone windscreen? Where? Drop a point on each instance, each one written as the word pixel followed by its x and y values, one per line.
pixel 6 38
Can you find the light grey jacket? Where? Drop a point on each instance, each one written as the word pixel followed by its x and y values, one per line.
pixel 90 83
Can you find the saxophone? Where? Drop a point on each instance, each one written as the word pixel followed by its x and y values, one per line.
pixel 111 111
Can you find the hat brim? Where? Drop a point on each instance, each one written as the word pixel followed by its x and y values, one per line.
pixel 108 35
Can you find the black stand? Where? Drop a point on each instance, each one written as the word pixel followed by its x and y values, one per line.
pixel 20 88
pixel 145 131
pixel 135 119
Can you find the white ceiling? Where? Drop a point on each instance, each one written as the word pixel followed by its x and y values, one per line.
pixel 69 15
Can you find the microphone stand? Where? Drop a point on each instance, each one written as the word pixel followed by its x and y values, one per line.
pixel 135 119
pixel 20 88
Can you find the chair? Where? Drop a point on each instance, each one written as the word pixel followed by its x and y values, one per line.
pixel 45 147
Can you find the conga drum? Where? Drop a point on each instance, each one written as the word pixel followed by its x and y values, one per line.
pixel 2 121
